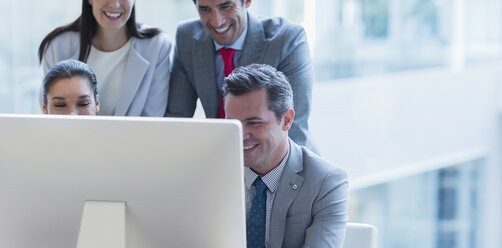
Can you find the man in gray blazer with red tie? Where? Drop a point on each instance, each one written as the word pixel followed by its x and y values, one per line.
pixel 294 198
pixel 198 66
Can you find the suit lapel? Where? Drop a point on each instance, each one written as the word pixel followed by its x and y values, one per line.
pixel 255 44
pixel 134 72
pixel 289 186
pixel 205 78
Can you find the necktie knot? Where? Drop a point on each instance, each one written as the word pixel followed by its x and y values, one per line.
pixel 260 186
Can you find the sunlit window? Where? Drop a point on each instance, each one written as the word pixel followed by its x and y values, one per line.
pixel 437 209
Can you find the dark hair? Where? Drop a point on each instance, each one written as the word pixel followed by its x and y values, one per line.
pixel 246 79
pixel 87 26
pixel 67 69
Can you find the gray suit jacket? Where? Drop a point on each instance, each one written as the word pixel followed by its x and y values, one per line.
pixel 268 41
pixel 314 212
pixel 145 88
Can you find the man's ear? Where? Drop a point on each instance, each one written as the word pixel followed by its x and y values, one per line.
pixel 287 119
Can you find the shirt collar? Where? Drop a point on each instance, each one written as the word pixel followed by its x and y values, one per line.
pixel 271 179
pixel 237 45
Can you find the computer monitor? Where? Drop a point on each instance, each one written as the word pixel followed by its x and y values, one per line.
pixel 180 179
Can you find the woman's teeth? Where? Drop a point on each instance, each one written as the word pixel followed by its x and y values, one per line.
pixel 113 14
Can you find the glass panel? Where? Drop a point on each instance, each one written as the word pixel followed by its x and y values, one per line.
pixel 483 30
pixel 435 209
pixel 362 37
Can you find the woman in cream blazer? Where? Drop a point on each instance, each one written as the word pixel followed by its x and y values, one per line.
pixel 108 26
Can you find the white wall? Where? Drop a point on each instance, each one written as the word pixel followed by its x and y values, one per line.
pixel 385 127
pixel 405 123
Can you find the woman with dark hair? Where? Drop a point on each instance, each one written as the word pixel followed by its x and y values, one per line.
pixel 69 88
pixel 131 61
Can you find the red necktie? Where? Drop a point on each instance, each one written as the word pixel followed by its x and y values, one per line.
pixel 227 54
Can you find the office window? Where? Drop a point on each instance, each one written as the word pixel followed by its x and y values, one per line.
pixel 483 30
pixel 364 37
pixel 27 22
pixel 375 18
pixel 437 209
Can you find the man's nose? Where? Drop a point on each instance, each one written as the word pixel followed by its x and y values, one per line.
pixel 217 19
pixel 246 135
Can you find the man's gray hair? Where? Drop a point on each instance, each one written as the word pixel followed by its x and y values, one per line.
pixel 246 79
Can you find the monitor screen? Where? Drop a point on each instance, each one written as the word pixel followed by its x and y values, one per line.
pixel 181 179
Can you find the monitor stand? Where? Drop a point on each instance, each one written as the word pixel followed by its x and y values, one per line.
pixel 102 225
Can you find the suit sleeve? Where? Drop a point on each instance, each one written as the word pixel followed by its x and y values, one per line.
pixel 49 59
pixel 64 46
pixel 329 213
pixel 297 66
pixel 182 96
pixel 156 102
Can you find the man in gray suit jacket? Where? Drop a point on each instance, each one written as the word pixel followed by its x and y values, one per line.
pixel 294 198
pixel 198 68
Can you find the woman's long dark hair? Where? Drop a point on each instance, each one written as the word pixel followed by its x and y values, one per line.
pixel 87 26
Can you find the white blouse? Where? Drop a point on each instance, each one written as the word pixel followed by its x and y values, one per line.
pixel 109 68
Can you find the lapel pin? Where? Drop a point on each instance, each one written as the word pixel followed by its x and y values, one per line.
pixel 295 187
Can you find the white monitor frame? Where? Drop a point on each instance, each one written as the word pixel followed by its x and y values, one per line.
pixel 181 179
